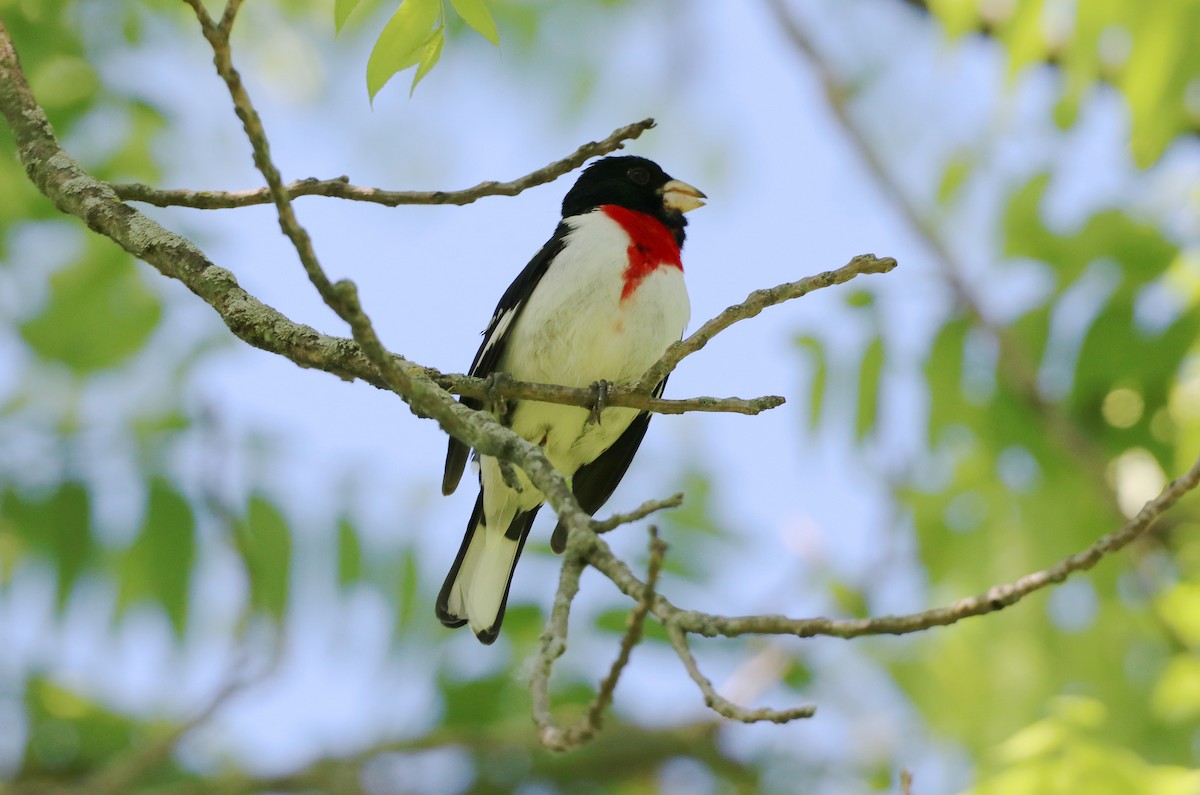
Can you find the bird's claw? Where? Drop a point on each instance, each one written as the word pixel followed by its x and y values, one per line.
pixel 599 401
pixel 499 404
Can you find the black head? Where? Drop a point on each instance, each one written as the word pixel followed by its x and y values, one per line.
pixel 636 184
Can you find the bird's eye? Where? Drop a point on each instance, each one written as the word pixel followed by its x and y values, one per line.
pixel 639 176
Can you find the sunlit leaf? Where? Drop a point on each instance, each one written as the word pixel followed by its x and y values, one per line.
pixel 957 16
pixel 476 14
pixel 342 9
pixel 429 57
pixel 402 42
pixel 953 177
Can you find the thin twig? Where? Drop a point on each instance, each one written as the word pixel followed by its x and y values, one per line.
pixel 995 598
pixel 553 644
pixel 340 187
pixel 640 512
pixel 719 703
pixel 633 632
pixel 755 303
pixel 226 23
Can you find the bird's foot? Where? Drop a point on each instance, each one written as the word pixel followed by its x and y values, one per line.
pixel 495 383
pixel 509 473
pixel 599 401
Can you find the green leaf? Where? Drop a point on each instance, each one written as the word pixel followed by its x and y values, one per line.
pixel 57 527
pixel 433 51
pixel 71 735
pixel 953 178
pixel 851 600
pixel 798 676
pixel 480 703
pixel 820 375
pixel 475 13
pixel 342 9
pixel 957 16
pixel 64 80
pixel 407 583
pixel 868 388
pixel 943 375
pixel 349 554
pixel 265 544
pixel 402 42
pixel 158 565
pixel 99 314
pixel 860 299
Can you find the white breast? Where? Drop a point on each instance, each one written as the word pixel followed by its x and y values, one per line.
pixel 575 330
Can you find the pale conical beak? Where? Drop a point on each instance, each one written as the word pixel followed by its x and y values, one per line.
pixel 681 196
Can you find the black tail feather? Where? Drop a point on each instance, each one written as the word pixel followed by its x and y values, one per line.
pixel 521 524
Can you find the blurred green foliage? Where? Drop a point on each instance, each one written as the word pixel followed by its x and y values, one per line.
pixel 1091 688
pixel 1047 430
pixel 1147 50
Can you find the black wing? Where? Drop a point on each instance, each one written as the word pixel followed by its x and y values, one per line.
pixel 594 483
pixel 495 340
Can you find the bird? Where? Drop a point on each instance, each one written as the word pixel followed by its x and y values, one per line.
pixel 598 304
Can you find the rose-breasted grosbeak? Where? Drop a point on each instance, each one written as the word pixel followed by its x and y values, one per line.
pixel 600 302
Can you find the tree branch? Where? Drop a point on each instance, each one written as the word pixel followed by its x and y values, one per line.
pixel 554 643
pixel 641 512
pixel 340 187
pixel 618 396
pixel 995 598
pixel 756 302
pixel 718 703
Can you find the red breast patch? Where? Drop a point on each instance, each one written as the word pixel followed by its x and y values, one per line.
pixel 652 246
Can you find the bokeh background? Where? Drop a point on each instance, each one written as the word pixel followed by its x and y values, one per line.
pixel 217 569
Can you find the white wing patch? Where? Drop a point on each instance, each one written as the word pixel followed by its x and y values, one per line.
pixel 498 327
